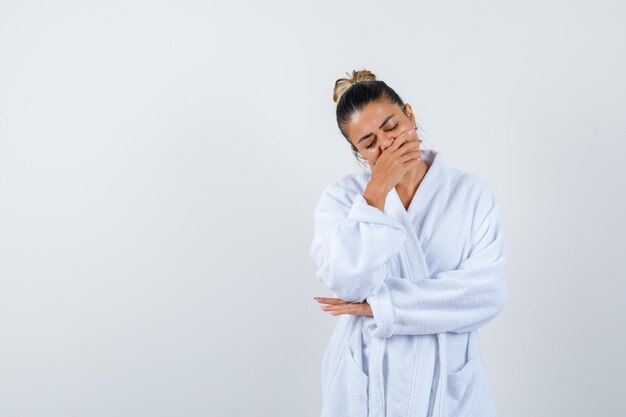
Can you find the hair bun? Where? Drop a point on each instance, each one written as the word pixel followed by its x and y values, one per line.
pixel 342 84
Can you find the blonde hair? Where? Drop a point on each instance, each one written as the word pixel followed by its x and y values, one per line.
pixel 342 84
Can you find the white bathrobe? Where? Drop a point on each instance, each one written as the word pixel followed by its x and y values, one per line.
pixel 433 274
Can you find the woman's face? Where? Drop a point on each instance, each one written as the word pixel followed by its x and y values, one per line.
pixel 376 126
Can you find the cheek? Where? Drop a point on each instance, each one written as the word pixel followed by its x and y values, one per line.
pixel 372 156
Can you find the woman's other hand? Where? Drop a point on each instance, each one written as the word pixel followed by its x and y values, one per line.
pixel 337 306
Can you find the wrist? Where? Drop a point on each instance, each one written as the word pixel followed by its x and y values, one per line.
pixel 375 195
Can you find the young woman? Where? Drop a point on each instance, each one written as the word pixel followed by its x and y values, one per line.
pixel 415 252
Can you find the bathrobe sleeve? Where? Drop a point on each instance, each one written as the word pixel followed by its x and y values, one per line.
pixel 459 300
pixel 352 242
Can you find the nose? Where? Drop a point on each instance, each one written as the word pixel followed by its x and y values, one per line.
pixel 386 142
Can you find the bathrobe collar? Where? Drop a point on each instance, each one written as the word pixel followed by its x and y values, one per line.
pixel 432 181
pixel 410 218
pixel 417 267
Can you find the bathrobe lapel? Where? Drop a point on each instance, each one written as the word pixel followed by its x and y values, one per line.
pixel 412 256
pixel 431 183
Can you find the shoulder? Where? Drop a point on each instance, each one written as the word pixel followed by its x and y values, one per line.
pixel 468 181
pixel 346 187
pixel 340 194
pixel 475 193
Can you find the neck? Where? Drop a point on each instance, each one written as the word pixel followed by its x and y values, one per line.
pixel 412 179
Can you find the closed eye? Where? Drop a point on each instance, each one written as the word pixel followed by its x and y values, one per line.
pixel 375 140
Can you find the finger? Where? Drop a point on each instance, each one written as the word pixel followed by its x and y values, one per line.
pixel 410 132
pixel 410 149
pixel 408 146
pixel 333 307
pixel 414 155
pixel 402 138
pixel 409 152
pixel 330 300
pixel 357 309
pixel 412 163
pixel 342 309
pixel 410 136
pixel 397 142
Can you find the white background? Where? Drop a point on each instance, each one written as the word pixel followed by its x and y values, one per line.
pixel 160 161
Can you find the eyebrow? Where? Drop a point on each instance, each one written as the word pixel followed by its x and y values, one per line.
pixel 380 127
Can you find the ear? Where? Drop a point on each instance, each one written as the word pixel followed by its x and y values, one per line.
pixel 409 111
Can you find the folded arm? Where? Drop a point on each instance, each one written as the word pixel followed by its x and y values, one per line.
pixel 459 300
pixel 352 243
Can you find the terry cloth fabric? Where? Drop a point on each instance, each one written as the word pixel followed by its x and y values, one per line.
pixel 433 274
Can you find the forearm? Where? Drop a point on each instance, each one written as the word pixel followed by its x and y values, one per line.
pixel 351 251
pixel 446 304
